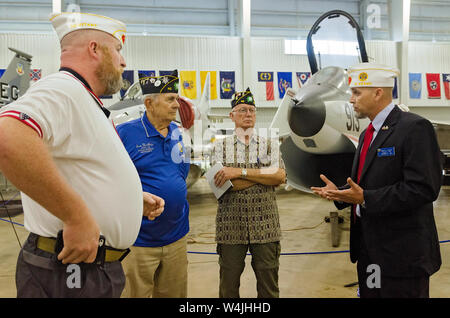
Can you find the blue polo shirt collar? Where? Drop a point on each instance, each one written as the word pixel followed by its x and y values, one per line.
pixel 151 130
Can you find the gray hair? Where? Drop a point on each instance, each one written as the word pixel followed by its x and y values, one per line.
pixel 152 97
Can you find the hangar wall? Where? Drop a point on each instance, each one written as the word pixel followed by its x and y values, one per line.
pixel 225 54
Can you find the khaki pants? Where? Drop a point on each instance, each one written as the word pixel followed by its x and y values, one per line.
pixel 158 272
pixel 265 263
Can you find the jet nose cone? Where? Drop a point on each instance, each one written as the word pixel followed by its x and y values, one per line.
pixel 306 118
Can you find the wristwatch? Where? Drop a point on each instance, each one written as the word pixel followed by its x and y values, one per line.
pixel 244 173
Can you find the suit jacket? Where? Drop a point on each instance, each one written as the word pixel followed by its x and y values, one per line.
pixel 401 178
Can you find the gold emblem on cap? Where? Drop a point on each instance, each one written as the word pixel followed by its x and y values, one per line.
pixel 363 76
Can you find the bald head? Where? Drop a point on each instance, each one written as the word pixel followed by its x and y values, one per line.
pixel 95 55
pixel 81 38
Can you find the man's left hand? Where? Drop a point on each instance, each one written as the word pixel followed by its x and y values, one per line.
pixel 353 195
pixel 153 206
pixel 225 174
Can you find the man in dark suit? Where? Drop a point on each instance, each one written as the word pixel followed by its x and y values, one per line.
pixel 396 176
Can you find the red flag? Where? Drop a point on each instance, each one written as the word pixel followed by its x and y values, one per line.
pixel 433 85
pixel 446 80
pixel 269 91
pixel 268 78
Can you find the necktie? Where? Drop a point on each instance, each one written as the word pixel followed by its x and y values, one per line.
pixel 362 158
pixel 367 139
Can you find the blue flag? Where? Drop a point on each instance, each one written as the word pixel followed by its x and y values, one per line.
pixel 265 76
pixel 227 84
pixel 415 85
pixel 284 82
pixel 143 73
pixel 128 80
pixel 163 73
pixel 2 70
pixel 395 89
pixel 302 77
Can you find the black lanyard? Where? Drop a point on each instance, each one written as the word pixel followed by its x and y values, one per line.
pixel 88 88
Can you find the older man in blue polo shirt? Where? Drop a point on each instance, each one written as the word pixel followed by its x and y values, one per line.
pixel 157 264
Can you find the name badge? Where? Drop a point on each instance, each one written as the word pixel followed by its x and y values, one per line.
pixel 386 152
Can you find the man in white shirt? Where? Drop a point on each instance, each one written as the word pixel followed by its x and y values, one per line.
pixel 58 147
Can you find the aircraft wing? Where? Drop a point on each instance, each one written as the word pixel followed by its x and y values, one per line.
pixel 122 104
pixel 204 104
pixel 440 123
pixel 216 117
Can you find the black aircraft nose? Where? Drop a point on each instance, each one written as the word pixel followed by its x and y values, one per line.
pixel 306 118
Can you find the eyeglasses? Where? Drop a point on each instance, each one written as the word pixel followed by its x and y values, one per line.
pixel 245 110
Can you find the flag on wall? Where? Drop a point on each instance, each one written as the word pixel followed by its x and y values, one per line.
pixel 163 73
pixel 2 70
pixel 188 84
pixel 302 78
pixel 284 81
pixel 433 85
pixel 395 89
pixel 35 74
pixel 146 73
pixel 446 80
pixel 212 82
pixel 227 84
pixel 415 85
pixel 128 80
pixel 266 84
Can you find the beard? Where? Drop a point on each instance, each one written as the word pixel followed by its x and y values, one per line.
pixel 360 115
pixel 108 74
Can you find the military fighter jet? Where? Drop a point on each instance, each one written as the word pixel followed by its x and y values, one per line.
pixel 317 124
pixel 16 78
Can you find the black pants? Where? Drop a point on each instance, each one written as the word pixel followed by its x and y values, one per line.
pixel 38 274
pixel 389 287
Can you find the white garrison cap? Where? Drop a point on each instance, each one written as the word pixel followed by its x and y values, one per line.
pixel 372 75
pixel 66 22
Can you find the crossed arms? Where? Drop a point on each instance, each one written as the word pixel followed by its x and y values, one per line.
pixel 266 176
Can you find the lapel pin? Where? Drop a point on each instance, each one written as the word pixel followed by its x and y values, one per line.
pixel 385 128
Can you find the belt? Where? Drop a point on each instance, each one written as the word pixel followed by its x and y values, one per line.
pixel 47 244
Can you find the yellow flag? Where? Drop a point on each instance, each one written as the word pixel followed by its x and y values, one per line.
pixel 212 82
pixel 188 84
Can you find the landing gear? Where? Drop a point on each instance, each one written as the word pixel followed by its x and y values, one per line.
pixel 335 219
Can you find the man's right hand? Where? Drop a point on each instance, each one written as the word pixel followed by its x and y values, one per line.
pixel 322 190
pixel 81 238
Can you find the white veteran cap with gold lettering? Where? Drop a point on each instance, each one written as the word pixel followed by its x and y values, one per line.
pixel 372 75
pixel 66 22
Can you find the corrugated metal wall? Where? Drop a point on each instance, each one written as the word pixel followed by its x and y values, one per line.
pixel 225 54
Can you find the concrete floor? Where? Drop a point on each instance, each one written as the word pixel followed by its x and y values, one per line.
pixel 300 275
